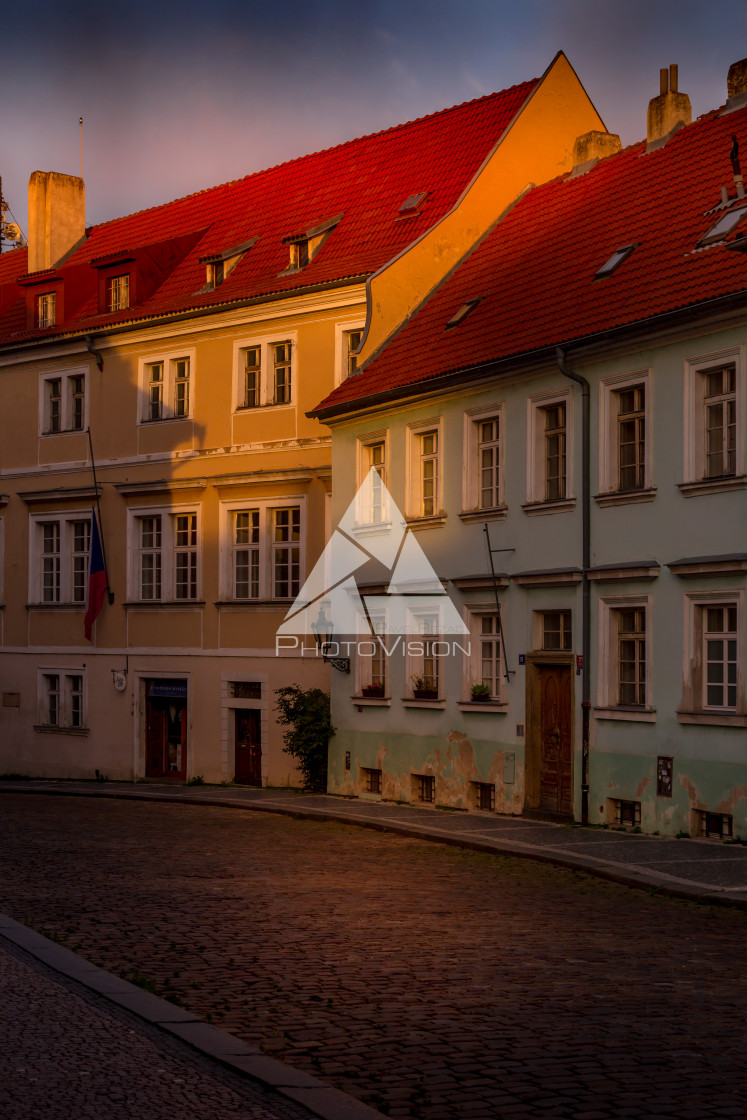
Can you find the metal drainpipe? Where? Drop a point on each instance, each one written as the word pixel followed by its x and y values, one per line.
pixel 585 586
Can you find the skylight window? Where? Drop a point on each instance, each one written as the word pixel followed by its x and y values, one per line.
pixel 462 313
pixel 412 204
pixel 614 262
pixel 724 225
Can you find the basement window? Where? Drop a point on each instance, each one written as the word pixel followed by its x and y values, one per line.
pixel 424 788
pixel 712 825
pixel 484 795
pixel 624 813
pixel 371 779
pixel 724 225
pixel 462 313
pixel 614 262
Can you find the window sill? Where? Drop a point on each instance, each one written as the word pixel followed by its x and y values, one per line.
pixel 371 701
pixel 492 513
pixel 636 715
pixel 411 702
pixel 499 706
pixel 244 604
pixel 625 497
pixel 562 505
pixel 426 522
pixel 364 527
pixel 715 718
pixel 51 729
pixel 712 485
pixel 261 407
pixel 160 605
pixel 55 606
pixel 63 432
pixel 145 422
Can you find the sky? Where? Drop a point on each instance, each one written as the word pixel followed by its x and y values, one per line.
pixel 177 97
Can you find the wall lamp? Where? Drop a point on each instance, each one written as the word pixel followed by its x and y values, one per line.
pixel 322 630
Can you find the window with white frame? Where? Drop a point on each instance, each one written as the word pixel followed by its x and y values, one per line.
pixel 62 404
pixel 263 551
pixel 61 698
pixel 625 455
pixel 46 309
pixel 164 555
pixel 373 454
pixel 264 373
pixel 625 680
pixel 371 660
pixel 348 337
pixel 60 547
pixel 484 664
pixel 165 387
pixel 549 445
pixel 352 342
pixel 424 676
pixel 425 472
pixel 714 652
pixel 484 452
pixel 118 293
pixel 714 411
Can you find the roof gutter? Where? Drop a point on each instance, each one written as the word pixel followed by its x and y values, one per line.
pixel 585 566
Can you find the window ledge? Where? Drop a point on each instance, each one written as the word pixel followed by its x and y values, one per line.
pixel 55 606
pixel 362 528
pixel 411 702
pixel 691 567
pixel 563 505
pixel 625 497
pixel 493 513
pixel 646 570
pixel 261 407
pixel 426 522
pixel 715 718
pixel 640 715
pixel 169 605
pixel 499 706
pixel 63 432
pixel 144 422
pixel 712 485
pixel 51 729
pixel 372 701
pixel 244 604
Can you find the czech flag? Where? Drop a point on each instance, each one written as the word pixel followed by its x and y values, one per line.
pixel 96 577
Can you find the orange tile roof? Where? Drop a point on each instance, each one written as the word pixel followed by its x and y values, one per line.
pixel 366 179
pixel 535 273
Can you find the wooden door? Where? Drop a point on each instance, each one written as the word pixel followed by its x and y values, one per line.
pixel 555 739
pixel 166 738
pixel 248 764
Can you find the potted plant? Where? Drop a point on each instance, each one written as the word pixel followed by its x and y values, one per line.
pixel 480 693
pixel 424 687
pixel 374 690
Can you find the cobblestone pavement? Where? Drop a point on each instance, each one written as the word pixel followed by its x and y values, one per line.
pixel 69 1054
pixel 429 981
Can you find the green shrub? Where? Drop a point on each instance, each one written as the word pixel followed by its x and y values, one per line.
pixel 305 712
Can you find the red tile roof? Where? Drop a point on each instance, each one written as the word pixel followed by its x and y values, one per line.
pixel 535 273
pixel 366 179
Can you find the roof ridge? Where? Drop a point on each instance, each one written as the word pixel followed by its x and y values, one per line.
pixel 368 136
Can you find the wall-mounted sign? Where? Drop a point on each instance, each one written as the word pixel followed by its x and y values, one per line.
pixel 119 679
pixel 522 659
pixel 171 689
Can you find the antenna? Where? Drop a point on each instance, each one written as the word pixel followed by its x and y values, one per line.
pixel 81 147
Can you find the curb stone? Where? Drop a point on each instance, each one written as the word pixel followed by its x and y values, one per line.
pixel 317 1096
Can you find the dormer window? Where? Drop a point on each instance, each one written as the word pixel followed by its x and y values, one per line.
pixel 219 266
pixel 118 293
pixel 45 309
pixel 305 245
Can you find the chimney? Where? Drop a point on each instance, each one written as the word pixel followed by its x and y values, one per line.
pixel 668 112
pixel 591 147
pixel 736 85
pixel 57 218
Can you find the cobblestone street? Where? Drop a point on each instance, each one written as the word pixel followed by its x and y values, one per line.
pixel 427 980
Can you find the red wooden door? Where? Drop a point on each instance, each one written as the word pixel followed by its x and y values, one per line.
pixel 248 765
pixel 166 738
pixel 556 762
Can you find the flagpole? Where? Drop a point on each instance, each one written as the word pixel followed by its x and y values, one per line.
pixel 109 592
